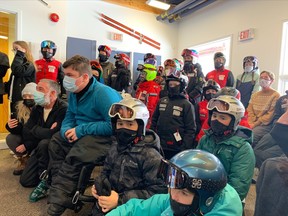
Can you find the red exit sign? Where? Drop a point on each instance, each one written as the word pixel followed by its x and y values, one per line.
pixel 116 36
pixel 246 35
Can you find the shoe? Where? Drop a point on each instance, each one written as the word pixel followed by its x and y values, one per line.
pixel 39 192
pixel 22 161
pixel 55 209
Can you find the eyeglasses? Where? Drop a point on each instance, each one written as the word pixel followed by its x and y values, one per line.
pixel 124 112
pixel 221 106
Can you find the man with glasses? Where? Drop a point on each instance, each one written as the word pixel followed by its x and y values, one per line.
pixel 85 134
pixel 197 184
pixel 48 67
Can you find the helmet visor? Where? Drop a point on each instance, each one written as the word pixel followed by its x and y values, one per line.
pixel 48 44
pixel 221 106
pixel 172 175
pixel 124 112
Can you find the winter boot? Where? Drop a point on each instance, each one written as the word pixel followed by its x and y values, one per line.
pixel 22 161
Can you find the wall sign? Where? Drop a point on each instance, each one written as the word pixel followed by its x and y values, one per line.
pixel 246 34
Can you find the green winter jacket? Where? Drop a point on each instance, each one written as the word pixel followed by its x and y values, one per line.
pixel 236 154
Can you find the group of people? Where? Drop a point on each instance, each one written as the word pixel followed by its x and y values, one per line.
pixel 182 141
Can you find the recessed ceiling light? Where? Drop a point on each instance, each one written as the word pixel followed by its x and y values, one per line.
pixel 158 4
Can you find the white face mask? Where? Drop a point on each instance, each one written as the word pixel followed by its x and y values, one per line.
pixel 248 69
pixel 69 84
pixel 264 83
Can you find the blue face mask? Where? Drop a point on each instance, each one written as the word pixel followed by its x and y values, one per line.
pixel 40 99
pixel 69 84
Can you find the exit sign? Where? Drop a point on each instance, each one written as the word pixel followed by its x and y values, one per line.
pixel 246 35
pixel 116 36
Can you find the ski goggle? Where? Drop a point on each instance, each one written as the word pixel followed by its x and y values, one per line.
pixel 249 59
pixel 173 176
pixel 170 62
pixel 48 44
pixel 124 112
pixel 219 105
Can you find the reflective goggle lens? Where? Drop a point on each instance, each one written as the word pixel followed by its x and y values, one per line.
pixel 124 113
pixel 48 44
pixel 173 176
pixel 221 106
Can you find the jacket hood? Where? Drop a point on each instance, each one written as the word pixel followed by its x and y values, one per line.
pixel 151 140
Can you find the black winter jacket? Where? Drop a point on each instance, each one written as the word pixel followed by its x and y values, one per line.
pixel 120 79
pixel 171 116
pixel 132 173
pixel 23 72
pixel 37 129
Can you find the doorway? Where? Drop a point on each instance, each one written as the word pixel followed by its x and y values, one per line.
pixel 7 36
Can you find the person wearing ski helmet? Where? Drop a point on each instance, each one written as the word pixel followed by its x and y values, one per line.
pixel 148 90
pixel 134 144
pixel 97 70
pixel 230 142
pixel 120 78
pixel 173 118
pixel 195 75
pixel 103 58
pixel 248 82
pixel 221 75
pixel 201 112
pixel 197 184
pixel 50 68
pixel 148 58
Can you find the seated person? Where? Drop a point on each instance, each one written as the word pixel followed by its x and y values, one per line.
pixel 45 120
pixel 197 185
pixel 174 117
pixel 267 147
pixel 15 124
pixel 230 142
pixel 271 187
pixel 261 107
pixel 85 134
pixel 132 163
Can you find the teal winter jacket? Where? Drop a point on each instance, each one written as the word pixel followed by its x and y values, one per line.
pixel 236 154
pixel 90 115
pixel 228 203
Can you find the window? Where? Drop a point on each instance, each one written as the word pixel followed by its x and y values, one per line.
pixel 207 51
pixel 283 74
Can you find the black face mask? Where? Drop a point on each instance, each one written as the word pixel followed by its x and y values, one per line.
pixel 173 91
pixel 219 129
pixel 180 209
pixel 218 65
pixel 188 67
pixel 209 96
pixel 47 55
pixel 119 64
pixel 103 58
pixel 29 102
pixel 125 138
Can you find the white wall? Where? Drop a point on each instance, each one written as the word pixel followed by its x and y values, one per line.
pixel 226 18
pixel 80 19
pixel 223 18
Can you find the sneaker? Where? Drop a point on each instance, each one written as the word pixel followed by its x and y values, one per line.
pixel 55 209
pixel 39 192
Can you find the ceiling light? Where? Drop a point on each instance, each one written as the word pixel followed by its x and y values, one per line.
pixel 3 37
pixel 158 4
